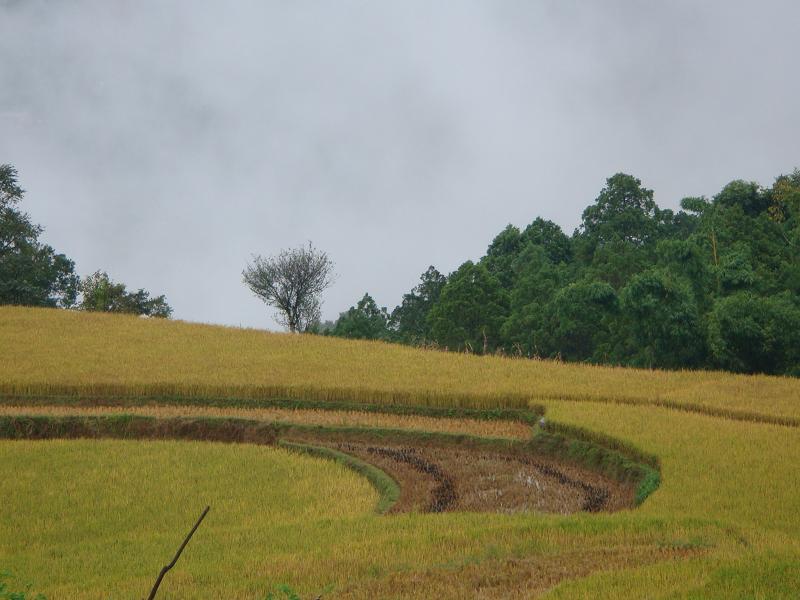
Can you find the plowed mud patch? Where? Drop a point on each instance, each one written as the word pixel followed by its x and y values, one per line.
pixel 441 478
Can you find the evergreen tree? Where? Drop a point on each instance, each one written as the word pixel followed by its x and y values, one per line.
pixel 753 334
pixel 31 272
pixel 578 322
pixel 663 322
pixel 470 310
pixel 364 321
pixel 409 321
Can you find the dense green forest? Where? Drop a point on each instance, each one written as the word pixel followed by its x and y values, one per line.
pixel 715 285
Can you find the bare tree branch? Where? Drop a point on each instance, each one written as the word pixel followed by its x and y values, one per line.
pixel 177 555
pixel 292 282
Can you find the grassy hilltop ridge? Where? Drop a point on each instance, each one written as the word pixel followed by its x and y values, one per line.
pixel 723 523
pixel 49 352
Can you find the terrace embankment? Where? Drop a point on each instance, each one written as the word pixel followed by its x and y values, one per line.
pixel 495 428
pixel 439 463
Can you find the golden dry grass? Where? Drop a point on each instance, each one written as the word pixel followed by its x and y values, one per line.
pixel 511 578
pixel 740 475
pixel 728 498
pixel 54 352
pixel 98 519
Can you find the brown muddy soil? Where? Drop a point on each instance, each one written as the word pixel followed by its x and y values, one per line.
pixel 439 478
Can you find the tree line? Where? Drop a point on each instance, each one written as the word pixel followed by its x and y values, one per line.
pixel 32 273
pixel 713 285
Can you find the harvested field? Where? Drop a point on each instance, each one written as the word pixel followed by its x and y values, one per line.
pixel 438 478
pixel 334 418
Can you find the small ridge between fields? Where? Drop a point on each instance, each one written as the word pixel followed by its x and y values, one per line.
pixel 332 418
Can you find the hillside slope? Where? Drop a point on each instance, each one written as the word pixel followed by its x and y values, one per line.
pixel 58 352
pixel 722 524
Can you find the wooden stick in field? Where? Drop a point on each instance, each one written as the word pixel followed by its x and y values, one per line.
pixel 177 555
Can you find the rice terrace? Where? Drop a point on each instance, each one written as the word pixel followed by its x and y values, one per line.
pixel 491 300
pixel 367 470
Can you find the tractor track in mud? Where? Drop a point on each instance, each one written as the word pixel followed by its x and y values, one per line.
pixel 439 478
pixel 596 497
pixel 443 495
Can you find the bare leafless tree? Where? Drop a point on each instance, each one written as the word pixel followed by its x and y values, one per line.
pixel 292 282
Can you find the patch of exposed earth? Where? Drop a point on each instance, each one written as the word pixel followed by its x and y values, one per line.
pixel 439 478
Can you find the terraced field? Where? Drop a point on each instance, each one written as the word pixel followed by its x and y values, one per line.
pixel 370 470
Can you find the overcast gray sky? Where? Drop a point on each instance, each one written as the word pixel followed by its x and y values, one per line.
pixel 165 142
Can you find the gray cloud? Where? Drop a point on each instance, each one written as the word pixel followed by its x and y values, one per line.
pixel 167 141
